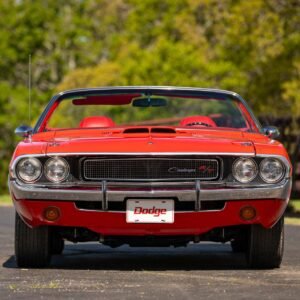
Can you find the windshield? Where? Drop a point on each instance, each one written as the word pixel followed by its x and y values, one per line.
pixel 119 110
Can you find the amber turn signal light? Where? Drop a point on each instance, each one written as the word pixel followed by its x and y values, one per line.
pixel 51 213
pixel 247 213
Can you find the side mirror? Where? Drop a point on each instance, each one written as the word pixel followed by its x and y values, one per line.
pixel 24 131
pixel 271 131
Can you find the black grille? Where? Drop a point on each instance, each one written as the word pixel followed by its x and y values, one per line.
pixel 150 169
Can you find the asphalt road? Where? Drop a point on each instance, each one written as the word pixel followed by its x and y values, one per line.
pixel 92 271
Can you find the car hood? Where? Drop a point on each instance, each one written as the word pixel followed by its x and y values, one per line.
pixel 179 141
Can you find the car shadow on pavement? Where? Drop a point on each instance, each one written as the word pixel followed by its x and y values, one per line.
pixel 90 256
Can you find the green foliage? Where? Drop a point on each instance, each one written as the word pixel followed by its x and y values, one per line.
pixel 251 47
pixel 5 200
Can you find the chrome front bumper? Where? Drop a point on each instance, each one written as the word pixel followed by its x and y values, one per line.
pixel 183 191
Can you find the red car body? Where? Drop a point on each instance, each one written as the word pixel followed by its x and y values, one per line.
pixel 217 209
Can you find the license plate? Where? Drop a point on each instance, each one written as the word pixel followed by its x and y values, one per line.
pixel 150 211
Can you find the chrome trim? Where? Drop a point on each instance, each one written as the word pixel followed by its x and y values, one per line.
pixel 17 175
pixel 233 169
pixel 59 154
pixel 135 153
pixel 88 184
pixel 271 131
pixel 198 198
pixel 24 192
pixel 119 191
pixel 282 175
pixel 154 153
pixel 104 196
pixel 62 154
pixel 282 158
pixel 146 89
pixel 46 164
pixel 24 131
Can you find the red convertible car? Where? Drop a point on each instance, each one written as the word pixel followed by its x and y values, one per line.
pixel 149 166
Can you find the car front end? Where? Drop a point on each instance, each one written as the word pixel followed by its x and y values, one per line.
pixel 149 184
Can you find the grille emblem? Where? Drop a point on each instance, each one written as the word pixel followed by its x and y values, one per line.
pixel 206 169
pixel 178 170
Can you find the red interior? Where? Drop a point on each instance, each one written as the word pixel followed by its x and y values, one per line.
pixel 98 121
pixel 197 121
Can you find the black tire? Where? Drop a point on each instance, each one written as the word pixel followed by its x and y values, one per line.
pixel 265 249
pixel 57 244
pixel 32 245
pixel 239 244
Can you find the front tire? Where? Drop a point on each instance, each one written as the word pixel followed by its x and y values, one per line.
pixel 57 244
pixel 239 245
pixel 32 245
pixel 265 248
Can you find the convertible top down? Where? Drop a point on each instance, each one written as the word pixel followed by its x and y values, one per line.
pixel 149 166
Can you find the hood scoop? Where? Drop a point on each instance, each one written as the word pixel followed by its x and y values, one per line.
pixel 162 130
pixel 136 130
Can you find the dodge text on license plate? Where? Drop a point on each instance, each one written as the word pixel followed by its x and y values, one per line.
pixel 150 211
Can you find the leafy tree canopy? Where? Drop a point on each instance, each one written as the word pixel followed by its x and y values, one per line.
pixel 251 47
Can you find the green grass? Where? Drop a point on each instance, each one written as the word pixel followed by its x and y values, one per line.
pixel 5 200
pixel 296 205
pixel 291 221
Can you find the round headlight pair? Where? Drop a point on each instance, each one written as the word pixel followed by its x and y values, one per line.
pixel 30 169
pixel 271 170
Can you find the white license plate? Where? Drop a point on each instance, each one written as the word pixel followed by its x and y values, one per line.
pixel 150 211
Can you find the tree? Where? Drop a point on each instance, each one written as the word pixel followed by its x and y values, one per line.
pixel 251 47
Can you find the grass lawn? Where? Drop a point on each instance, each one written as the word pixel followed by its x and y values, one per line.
pixel 296 205
pixel 5 200
pixel 291 221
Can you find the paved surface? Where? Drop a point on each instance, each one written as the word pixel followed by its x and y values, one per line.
pixel 91 271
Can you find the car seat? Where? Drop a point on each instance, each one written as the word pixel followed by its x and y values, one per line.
pixel 96 121
pixel 198 121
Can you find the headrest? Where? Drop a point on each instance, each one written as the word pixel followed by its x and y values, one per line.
pixel 99 121
pixel 198 121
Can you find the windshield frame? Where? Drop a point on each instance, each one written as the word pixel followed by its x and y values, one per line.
pixel 178 91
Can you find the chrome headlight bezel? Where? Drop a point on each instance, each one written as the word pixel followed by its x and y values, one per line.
pixel 35 163
pixel 56 160
pixel 244 160
pixel 276 160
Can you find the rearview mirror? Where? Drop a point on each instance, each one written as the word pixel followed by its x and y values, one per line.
pixel 149 101
pixel 24 131
pixel 271 131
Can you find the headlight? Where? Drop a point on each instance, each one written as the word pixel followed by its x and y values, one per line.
pixel 29 169
pixel 244 170
pixel 56 169
pixel 271 170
